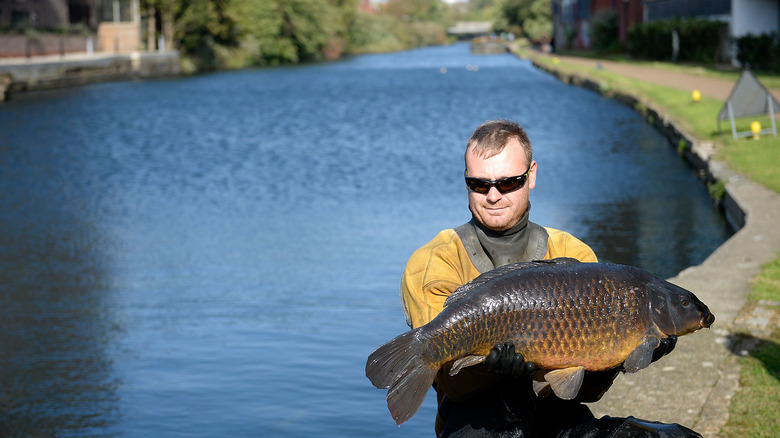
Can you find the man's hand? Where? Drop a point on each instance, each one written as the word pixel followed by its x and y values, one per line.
pixel 665 347
pixel 503 359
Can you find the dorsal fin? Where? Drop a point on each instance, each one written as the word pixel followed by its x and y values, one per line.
pixel 502 270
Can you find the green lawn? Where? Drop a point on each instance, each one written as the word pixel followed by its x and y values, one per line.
pixel 753 410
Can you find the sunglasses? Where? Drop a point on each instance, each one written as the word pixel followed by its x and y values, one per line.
pixel 503 185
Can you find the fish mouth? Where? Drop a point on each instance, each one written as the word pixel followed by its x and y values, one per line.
pixel 707 318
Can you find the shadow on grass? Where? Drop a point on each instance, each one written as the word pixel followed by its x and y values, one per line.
pixel 766 351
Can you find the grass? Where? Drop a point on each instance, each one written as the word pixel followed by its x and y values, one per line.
pixel 753 409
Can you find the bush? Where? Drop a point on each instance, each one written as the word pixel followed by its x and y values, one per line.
pixel 700 40
pixel 759 52
pixel 604 31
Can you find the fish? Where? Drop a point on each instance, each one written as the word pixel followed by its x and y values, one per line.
pixel 565 316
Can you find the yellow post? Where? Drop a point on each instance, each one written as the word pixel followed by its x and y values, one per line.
pixel 755 127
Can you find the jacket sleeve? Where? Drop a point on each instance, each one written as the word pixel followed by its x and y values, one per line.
pixel 563 244
pixel 433 272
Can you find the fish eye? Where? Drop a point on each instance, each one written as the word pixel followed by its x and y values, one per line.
pixel 685 302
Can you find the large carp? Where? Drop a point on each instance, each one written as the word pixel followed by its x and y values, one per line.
pixel 566 316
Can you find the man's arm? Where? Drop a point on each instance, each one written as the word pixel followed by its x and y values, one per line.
pixel 432 273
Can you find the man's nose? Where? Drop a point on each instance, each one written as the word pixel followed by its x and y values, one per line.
pixel 493 194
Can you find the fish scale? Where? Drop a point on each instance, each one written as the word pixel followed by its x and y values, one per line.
pixel 565 316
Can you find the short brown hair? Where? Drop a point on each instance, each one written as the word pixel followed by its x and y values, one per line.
pixel 490 138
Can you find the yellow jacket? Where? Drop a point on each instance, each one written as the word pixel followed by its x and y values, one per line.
pixel 435 270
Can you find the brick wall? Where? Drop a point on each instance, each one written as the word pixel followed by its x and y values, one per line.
pixel 46 44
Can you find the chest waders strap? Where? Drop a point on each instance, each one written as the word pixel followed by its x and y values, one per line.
pixel 468 235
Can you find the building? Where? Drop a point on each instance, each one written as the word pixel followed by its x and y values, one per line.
pixel 572 18
pixel 744 17
pixel 116 23
pixel 48 14
pixel 120 26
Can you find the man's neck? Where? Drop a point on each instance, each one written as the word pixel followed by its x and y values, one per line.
pixel 508 246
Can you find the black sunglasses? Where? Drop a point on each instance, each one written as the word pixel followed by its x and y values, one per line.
pixel 503 185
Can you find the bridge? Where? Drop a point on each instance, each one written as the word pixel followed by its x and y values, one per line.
pixel 470 29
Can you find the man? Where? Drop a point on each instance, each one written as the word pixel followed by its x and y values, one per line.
pixel 497 400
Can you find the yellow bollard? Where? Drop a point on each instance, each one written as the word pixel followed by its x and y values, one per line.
pixel 755 127
pixel 696 95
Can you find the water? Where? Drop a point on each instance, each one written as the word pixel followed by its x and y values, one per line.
pixel 218 255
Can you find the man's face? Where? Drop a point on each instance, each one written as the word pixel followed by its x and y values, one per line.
pixel 495 210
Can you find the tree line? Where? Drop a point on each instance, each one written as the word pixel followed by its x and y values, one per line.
pixel 215 34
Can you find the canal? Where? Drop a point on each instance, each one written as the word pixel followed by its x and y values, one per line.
pixel 217 255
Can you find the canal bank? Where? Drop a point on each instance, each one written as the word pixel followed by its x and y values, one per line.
pixel 55 71
pixel 693 386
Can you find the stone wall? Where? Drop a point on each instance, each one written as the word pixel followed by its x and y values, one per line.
pixel 39 73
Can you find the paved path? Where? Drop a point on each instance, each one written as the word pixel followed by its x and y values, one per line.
pixel 711 87
pixel 694 384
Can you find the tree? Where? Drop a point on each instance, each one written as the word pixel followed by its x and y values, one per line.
pixel 417 10
pixel 532 17
pixel 202 29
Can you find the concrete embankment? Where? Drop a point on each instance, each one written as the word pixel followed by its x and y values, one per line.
pixel 694 385
pixel 36 73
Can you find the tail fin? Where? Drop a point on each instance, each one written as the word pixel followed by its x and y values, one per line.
pixel 398 366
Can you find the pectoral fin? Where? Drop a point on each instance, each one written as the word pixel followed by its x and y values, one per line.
pixel 541 386
pixel 464 362
pixel 566 382
pixel 642 356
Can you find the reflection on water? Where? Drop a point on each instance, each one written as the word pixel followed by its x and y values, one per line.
pixel 218 255
pixel 55 373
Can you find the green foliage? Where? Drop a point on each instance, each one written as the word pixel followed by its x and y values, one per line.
pixel 759 52
pixel 214 34
pixel 376 33
pixel 700 40
pixel 417 10
pixel 307 25
pixel 426 33
pixel 682 145
pixel 604 31
pixel 258 25
pixel 717 190
pixel 371 33
pixel 532 17
pixel 201 28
